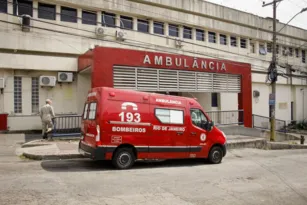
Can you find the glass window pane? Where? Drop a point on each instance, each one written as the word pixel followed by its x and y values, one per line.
pixel 173 30
pixel 212 37
pixel 89 18
pixel 143 26
pixel 187 32
pixel 159 28
pixel 68 14
pixel 200 35
pixel 46 11
pixel 3 6
pixel 126 22
pixel 223 39
pixel 176 117
pixel 233 41
pixel 24 7
pixel 108 19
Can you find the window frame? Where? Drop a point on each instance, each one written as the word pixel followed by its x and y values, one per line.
pixel 141 24
pixel 68 16
pixel 3 7
pixel 225 40
pixel 211 34
pixel 25 7
pixel 234 40
pixel 110 16
pixel 17 95
pixel 245 43
pixel 169 109
pixel 187 32
pixel 176 28
pixel 203 37
pixel 213 96
pixel 89 22
pixel 161 24
pixel 39 9
pixel 126 19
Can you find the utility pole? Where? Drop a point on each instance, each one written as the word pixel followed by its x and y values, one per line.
pixel 273 72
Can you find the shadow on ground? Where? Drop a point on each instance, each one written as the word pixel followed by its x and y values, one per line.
pixel 85 165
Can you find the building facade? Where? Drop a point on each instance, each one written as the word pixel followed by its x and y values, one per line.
pixel 38 50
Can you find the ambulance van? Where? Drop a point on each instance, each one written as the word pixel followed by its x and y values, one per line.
pixel 126 125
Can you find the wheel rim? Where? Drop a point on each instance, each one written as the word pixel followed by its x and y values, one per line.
pixel 124 159
pixel 216 156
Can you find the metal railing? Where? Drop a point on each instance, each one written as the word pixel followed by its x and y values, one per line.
pixel 67 125
pixel 231 117
pixel 262 122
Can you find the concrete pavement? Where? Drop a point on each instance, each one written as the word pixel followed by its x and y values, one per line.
pixel 246 176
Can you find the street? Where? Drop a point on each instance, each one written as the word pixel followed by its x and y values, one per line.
pixel 247 176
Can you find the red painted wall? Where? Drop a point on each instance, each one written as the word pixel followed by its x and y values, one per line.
pixel 103 59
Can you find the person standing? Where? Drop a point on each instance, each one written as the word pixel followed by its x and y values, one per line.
pixel 47 115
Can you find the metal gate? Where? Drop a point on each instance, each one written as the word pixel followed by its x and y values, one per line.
pixel 149 79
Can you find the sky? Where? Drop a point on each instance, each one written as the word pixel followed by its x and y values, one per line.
pixel 285 10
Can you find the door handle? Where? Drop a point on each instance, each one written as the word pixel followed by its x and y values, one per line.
pixel 179 133
pixel 193 133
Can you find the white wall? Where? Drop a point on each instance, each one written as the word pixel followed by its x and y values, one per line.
pixel 283 102
pixel 300 103
pixel 261 104
pixel 83 86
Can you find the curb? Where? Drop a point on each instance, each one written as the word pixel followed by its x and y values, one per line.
pixel 281 146
pixel 51 157
pixel 259 144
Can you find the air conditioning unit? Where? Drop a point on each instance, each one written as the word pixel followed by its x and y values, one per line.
pixel 100 31
pixel 47 81
pixel 65 77
pixel 2 83
pixel 178 43
pixel 120 35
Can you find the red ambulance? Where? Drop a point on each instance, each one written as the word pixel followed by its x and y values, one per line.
pixel 126 125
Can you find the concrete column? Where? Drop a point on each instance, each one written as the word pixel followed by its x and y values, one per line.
pixel 206 36
pixel 217 38
pixel 79 15
pixel 257 48
pixel 99 17
pixel 35 9
pixel 181 32
pixel 151 26
pixel 193 34
pixel 117 21
pixel 58 11
pixel 228 41
pixel 135 23
pixel 166 29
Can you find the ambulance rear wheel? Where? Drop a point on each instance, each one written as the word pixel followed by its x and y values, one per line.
pixel 123 158
pixel 216 155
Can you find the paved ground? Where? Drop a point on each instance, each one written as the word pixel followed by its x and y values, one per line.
pixel 247 176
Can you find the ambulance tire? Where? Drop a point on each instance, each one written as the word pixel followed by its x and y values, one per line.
pixel 123 158
pixel 216 155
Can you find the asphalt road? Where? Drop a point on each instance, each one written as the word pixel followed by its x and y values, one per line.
pixel 247 176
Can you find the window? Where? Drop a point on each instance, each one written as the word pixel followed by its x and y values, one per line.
pixel 173 30
pixel 214 100
pixel 290 51
pixel 269 47
pixel 92 111
pixel 23 7
pixel 262 50
pixel 168 116
pixel 17 94
pixel 126 22
pixel 68 14
pixel 46 11
pixel 233 41
pixel 212 37
pixel 277 49
pixel 89 17
pixel 297 53
pixel 35 95
pixel 243 43
pixel 159 28
pixel 198 117
pixel 187 32
pixel 303 56
pixel 284 51
pixel 3 6
pixel 223 39
pixel 85 111
pixel 252 47
pixel 200 35
pixel 143 26
pixel 108 19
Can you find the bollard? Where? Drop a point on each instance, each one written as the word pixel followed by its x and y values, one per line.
pixel 302 139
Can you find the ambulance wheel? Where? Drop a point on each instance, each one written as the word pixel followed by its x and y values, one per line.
pixel 123 158
pixel 216 155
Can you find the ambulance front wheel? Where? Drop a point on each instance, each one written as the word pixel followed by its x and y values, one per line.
pixel 123 158
pixel 216 155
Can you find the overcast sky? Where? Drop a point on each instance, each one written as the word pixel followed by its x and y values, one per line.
pixel 285 10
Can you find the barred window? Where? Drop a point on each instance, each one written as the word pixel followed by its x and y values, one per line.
pixel 243 43
pixel 3 6
pixel 212 37
pixel 89 17
pixel 200 35
pixel 173 30
pixel 159 28
pixel 223 39
pixel 233 41
pixel 35 95
pixel 69 14
pixel 17 94
pixel 297 53
pixel 187 32
pixel 46 11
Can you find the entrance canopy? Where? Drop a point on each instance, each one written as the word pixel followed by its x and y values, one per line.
pixel 151 71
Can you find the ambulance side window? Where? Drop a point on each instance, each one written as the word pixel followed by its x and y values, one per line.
pixel 168 116
pixel 92 111
pixel 198 117
pixel 85 111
